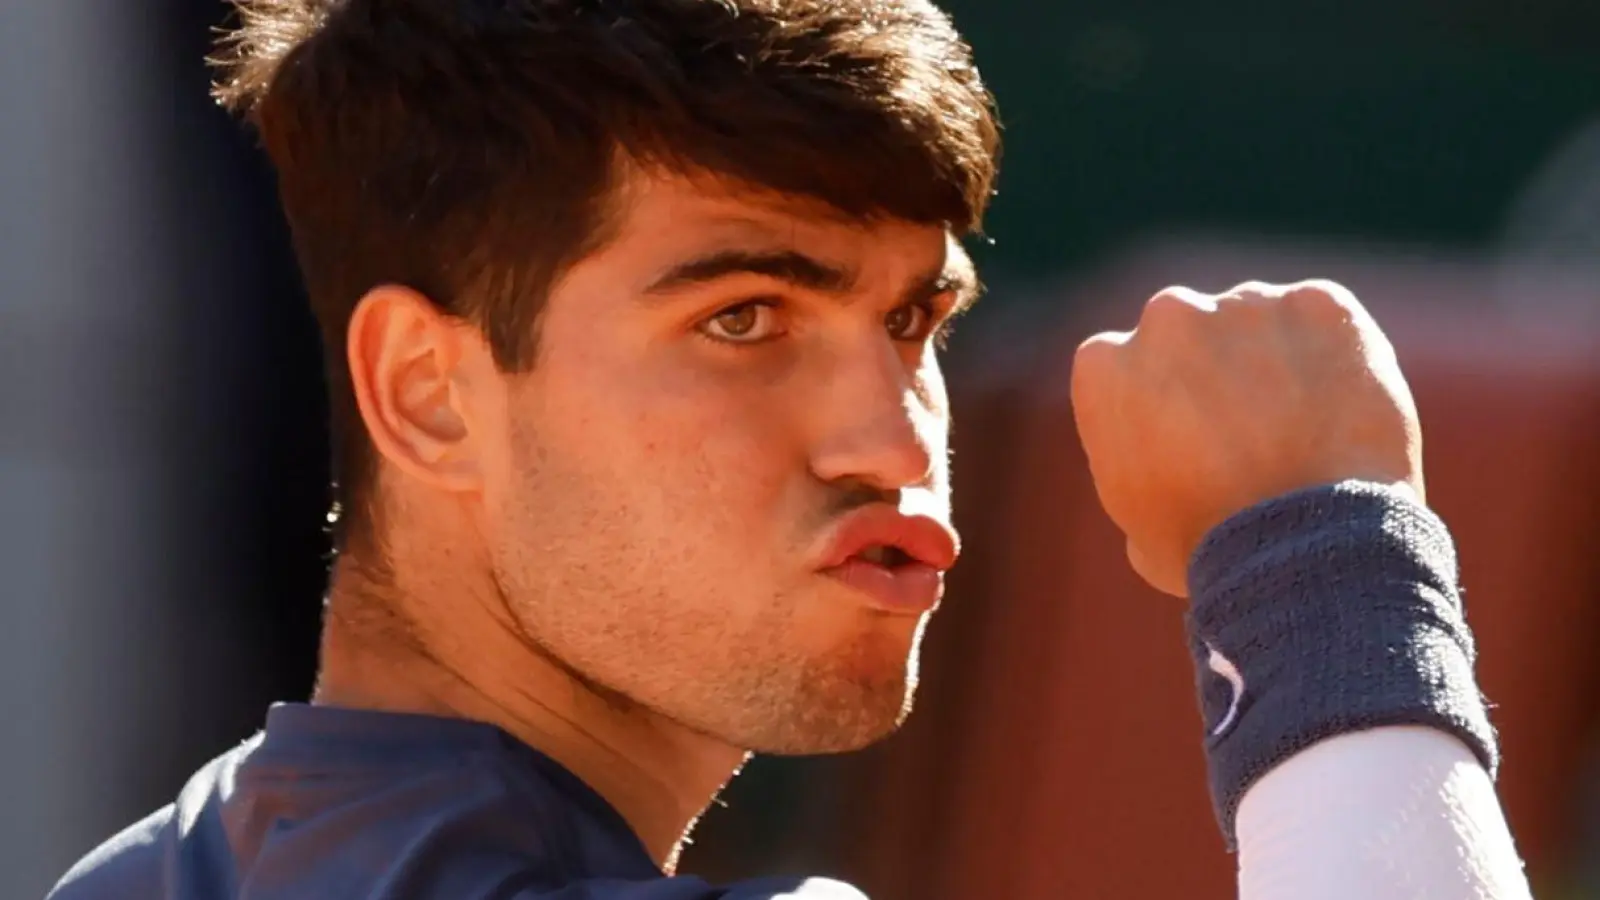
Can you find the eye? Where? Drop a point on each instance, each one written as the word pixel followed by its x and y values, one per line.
pixel 747 323
pixel 912 322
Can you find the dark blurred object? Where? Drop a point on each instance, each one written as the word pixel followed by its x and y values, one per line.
pixel 1369 120
pixel 1547 26
pixel 254 437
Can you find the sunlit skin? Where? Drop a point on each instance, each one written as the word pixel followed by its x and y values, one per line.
pixel 614 555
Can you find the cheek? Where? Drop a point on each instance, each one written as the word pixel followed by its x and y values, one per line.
pixel 677 454
pixel 930 390
pixel 734 422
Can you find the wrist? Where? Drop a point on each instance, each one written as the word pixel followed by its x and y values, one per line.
pixel 1329 610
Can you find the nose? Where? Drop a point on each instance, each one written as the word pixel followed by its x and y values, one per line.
pixel 880 422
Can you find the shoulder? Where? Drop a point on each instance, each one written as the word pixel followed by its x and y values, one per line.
pixel 138 862
pixel 689 888
pixel 126 866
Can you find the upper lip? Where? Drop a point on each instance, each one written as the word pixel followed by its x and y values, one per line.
pixel 926 540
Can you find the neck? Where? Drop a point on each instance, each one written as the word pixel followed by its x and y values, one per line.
pixel 457 652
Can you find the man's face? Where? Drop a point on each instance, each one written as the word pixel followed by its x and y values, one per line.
pixel 724 395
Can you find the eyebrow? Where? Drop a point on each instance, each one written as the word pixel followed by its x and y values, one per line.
pixel 810 273
pixel 959 277
pixel 783 265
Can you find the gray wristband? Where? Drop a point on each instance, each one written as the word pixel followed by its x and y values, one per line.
pixel 1323 612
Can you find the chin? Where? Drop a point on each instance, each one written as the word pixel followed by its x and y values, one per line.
pixel 840 714
pixel 821 738
pixel 845 697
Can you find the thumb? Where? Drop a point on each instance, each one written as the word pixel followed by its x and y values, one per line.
pixel 1174 583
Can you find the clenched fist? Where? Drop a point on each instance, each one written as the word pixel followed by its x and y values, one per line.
pixel 1216 403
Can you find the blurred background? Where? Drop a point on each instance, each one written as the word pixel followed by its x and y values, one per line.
pixel 163 474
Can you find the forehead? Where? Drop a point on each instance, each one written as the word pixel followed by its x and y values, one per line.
pixel 660 219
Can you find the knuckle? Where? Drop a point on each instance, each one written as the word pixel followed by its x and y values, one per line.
pixel 1093 367
pixel 1321 296
pixel 1095 354
pixel 1255 291
pixel 1174 305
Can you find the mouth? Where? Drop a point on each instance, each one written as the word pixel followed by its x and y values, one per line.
pixel 888 556
pixel 894 562
pixel 890 582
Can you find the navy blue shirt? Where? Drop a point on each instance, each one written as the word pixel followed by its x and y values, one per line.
pixel 330 803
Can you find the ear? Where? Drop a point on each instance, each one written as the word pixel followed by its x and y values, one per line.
pixel 412 369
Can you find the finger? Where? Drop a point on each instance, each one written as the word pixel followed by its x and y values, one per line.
pixel 1186 296
pixel 1173 318
pixel 1172 308
pixel 1246 290
pixel 1251 295
pixel 1173 584
pixel 1096 375
pixel 1108 339
pixel 1095 359
pixel 1326 301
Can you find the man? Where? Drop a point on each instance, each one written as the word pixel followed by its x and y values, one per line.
pixel 633 309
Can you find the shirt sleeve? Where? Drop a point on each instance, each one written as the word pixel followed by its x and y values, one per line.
pixel 1393 813
pixel 1347 744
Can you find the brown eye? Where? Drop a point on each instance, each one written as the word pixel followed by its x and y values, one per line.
pixel 738 322
pixel 747 323
pixel 909 323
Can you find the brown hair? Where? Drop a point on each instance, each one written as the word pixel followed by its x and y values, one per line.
pixel 467 148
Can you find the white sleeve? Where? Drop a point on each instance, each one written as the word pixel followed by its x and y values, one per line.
pixel 1394 813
